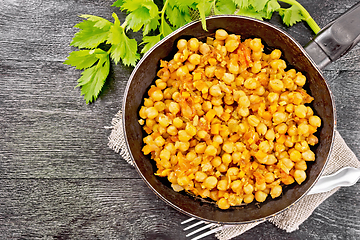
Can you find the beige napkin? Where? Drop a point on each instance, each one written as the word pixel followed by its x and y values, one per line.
pixel 289 220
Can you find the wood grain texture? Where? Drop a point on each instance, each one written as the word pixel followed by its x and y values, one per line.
pixel 58 178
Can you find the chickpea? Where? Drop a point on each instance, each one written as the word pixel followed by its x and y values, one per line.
pixel 270 135
pixel 221 34
pixel 256 45
pixel 250 83
pixel 299 176
pixel 172 177
pixel 228 99
pixel 172 130
pixel 222 168
pixel 300 80
pixel 233 171
pixel 315 121
pixel 148 102
pixel 160 106
pixel 215 90
pixel 182 71
pixel 281 128
pixel 233 67
pixel 193 44
pixel 248 198
pixel 206 106
pixel 269 177
pixel 190 129
pixel 228 78
pixel 195 59
pixel 260 91
pixel 206 167
pixel 204 48
pixel 244 101
pixel 164 120
pixel 303 129
pixel 159 141
pixel 275 54
pixel 243 111
pixel 152 112
pixel 271 159
pixel 276 191
pixel 289 108
pixel 200 148
pixel 292 130
pixel 228 147
pixel 183 180
pixel 261 128
pixel 181 44
pixel 308 155
pixel 248 189
pixel 276 85
pixel 301 165
pixel 231 45
pixel 260 186
pixel 260 196
pixel 219 43
pixel 218 139
pixel 210 182
pixel 312 140
pixel 264 146
pixel 190 156
pixel 182 146
pixel 210 150
pixel 236 185
pixel 239 81
pixel 200 176
pixel 300 111
pixel 216 162
pixel 279 117
pixel 174 108
pixel 222 185
pixel 223 203
pixel 295 156
pixel 253 120
pixel 288 83
pixel 273 97
pixel 278 64
pixel 226 158
pixel 183 136
pixel 178 123
pixel 288 163
pixel 202 134
pixel 257 55
pixel 302 146
pixel 179 57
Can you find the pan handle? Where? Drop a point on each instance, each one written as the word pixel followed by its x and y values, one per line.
pixel 336 38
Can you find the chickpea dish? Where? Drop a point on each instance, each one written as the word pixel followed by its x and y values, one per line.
pixel 226 121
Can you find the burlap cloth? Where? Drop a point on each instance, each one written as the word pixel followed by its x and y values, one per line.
pixel 289 220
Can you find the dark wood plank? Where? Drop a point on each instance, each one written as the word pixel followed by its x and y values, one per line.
pixel 346 95
pixel 58 178
pixel 47 130
pixel 127 209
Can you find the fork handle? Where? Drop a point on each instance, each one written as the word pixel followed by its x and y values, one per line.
pixel 346 176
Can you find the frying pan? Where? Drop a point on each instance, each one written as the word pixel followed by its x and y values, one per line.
pixel 331 43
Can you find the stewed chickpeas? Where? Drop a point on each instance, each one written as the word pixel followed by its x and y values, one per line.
pixel 226 121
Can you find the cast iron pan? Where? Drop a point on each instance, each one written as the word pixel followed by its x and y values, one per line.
pixel 330 44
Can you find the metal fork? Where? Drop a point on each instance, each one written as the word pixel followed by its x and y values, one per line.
pixel 346 176
pixel 204 225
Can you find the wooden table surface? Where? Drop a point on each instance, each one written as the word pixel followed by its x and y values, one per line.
pixel 59 179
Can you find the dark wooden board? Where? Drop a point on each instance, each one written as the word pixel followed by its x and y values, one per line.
pixel 58 178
